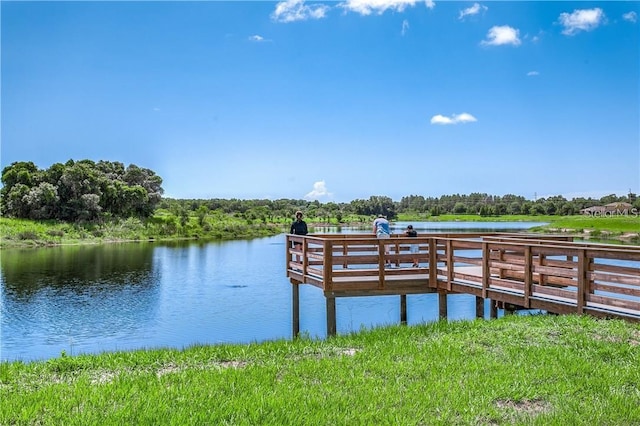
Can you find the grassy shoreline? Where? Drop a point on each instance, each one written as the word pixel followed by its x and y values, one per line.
pixel 619 228
pixel 24 233
pixel 17 233
pixel 543 370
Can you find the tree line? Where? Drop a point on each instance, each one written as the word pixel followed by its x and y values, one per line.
pixel 270 211
pixel 79 190
pixel 89 191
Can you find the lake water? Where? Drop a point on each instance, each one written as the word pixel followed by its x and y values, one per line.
pixel 91 299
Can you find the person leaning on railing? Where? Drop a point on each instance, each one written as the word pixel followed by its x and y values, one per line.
pixel 382 231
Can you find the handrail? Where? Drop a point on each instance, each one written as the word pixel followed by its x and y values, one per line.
pixel 528 268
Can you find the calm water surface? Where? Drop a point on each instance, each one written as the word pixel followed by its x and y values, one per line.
pixel 91 299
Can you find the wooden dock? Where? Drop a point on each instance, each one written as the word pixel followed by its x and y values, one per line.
pixel 514 270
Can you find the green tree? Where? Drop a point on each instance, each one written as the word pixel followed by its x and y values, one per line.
pixel 201 214
pixel 460 208
pixel 41 201
pixel 14 201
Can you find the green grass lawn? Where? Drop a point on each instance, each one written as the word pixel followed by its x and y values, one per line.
pixel 529 370
pixel 475 218
pixel 575 223
pixel 611 224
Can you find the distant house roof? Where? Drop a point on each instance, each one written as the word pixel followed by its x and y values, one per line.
pixel 611 207
pixel 618 205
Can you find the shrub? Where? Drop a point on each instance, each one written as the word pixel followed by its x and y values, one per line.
pixel 55 233
pixel 27 235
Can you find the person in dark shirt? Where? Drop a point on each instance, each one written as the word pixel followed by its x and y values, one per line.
pixel 413 248
pixel 298 227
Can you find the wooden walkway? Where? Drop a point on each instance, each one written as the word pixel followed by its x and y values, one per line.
pixel 515 271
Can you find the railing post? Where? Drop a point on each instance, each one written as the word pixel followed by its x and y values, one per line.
pixel 381 263
pixel 396 247
pixel 583 282
pixel 541 261
pixel 287 251
pixel 449 264
pixel 486 271
pixel 528 275
pixel 345 252
pixel 327 265
pixel 433 263
pixel 305 260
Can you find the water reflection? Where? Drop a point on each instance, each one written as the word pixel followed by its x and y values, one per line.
pixel 26 271
pixel 61 297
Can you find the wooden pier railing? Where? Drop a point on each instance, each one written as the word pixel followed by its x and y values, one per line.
pixel 526 271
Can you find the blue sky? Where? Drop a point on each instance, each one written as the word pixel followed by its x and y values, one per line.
pixel 330 100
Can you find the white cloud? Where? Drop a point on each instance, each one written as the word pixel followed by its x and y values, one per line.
pixel 454 119
pixel 473 10
pixel 296 10
pixel 500 35
pixel 405 27
pixel 256 38
pixel 532 73
pixel 581 20
pixel 366 7
pixel 630 16
pixel 319 190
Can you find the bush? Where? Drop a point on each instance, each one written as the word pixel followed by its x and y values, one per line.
pixel 55 233
pixel 27 235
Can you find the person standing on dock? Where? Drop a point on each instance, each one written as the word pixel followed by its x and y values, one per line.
pixel 298 227
pixel 413 248
pixel 382 230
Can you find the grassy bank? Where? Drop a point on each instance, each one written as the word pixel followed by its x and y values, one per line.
pixel 163 226
pixel 545 370
pixel 31 233
pixel 474 218
pixel 627 227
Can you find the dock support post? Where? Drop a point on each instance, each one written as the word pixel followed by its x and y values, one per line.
pixel 403 309
pixel 331 316
pixel 479 307
pixel 295 308
pixel 442 304
pixel 493 309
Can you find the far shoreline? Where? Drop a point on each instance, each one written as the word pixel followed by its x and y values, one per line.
pixel 625 230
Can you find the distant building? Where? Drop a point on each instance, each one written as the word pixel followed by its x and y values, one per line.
pixel 618 206
pixel 611 208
